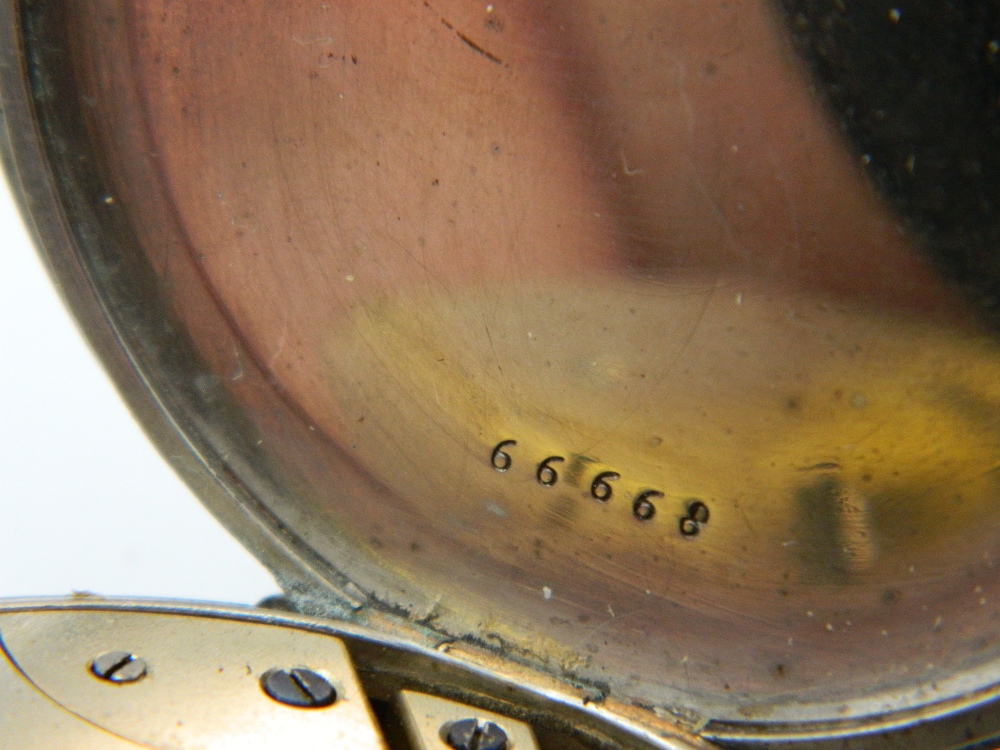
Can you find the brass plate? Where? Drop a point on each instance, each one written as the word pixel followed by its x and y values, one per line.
pixel 202 688
pixel 204 681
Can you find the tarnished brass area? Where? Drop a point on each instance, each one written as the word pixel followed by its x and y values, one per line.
pixel 573 331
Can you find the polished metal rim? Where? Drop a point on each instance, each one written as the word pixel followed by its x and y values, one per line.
pixel 78 231
pixel 386 665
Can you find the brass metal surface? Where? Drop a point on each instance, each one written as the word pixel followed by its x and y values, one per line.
pixel 204 684
pixel 427 718
pixel 34 721
pixel 202 689
pixel 572 331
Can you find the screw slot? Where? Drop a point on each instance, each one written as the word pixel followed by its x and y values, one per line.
pixel 473 734
pixel 119 667
pixel 299 687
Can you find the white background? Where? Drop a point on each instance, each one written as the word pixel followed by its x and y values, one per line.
pixel 86 503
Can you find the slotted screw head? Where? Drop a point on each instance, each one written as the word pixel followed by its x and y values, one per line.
pixel 299 687
pixel 118 666
pixel 473 734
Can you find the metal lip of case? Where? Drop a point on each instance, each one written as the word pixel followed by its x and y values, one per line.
pixel 207 662
pixel 216 439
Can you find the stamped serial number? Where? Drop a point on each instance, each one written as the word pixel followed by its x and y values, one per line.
pixel 601 489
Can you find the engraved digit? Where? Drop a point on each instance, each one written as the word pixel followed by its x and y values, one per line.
pixel 697 516
pixel 600 489
pixel 689 527
pixel 500 459
pixel 546 475
pixel 643 507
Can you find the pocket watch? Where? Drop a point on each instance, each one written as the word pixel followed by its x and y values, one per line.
pixel 589 374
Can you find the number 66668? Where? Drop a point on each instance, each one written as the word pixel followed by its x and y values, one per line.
pixel 601 488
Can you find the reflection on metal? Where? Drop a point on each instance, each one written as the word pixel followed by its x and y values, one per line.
pixel 576 335
pixel 36 722
pixel 429 720
pixel 475 734
pixel 300 686
pixel 119 666
pixel 218 678
pixel 854 531
pixel 202 690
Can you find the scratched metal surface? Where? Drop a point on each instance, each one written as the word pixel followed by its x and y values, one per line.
pixel 573 329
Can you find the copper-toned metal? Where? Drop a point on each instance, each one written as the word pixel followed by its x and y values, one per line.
pixel 572 330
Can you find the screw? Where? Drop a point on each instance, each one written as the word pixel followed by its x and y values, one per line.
pixel 473 734
pixel 118 666
pixel 299 687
